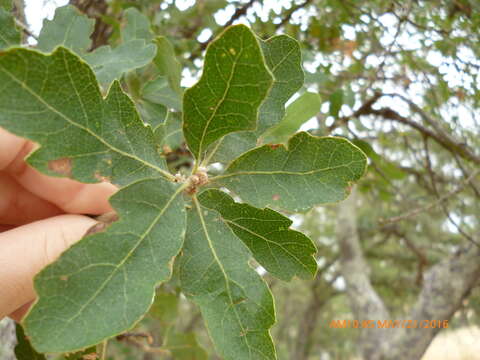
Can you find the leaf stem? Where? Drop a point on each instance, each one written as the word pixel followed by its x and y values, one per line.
pixel 104 350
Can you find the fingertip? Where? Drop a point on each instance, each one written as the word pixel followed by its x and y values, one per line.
pixel 26 250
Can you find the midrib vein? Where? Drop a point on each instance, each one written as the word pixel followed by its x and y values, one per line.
pixel 129 254
pixel 90 132
pixel 266 240
pixel 280 172
pixel 220 102
pixel 217 259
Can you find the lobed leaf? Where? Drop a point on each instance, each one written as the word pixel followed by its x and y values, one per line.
pixel 137 26
pixel 283 58
pixel 158 91
pixel 283 252
pixel 105 283
pixel 311 171
pixel 69 28
pixel 50 97
pixel 9 34
pixel 236 304
pixel 170 133
pixel 167 64
pixel 234 83
pixel 111 63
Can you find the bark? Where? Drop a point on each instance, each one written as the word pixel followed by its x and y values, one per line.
pixel 445 286
pixel 95 9
pixel 364 300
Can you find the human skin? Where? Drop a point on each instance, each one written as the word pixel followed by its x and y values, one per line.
pixel 40 217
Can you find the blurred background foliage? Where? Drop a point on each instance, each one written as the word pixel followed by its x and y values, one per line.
pixel 398 78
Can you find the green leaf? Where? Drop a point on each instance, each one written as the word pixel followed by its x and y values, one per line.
pixel 232 146
pixel 170 133
pixel 336 102
pixel 298 112
pixel 110 64
pixel 234 300
pixel 69 28
pixel 185 347
pixel 165 307
pixel 105 283
pixel 311 171
pixel 151 113
pixel 281 251
pixel 167 64
pixel 101 138
pixel 284 59
pixel 9 34
pixel 23 349
pixel 137 27
pixel 159 91
pixel 234 83
pixel 6 4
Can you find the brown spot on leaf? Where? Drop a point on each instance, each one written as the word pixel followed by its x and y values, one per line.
pixel 61 166
pixel 64 277
pixel 166 150
pixel 276 197
pixel 274 146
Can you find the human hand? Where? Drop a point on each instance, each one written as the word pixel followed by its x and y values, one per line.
pixel 37 221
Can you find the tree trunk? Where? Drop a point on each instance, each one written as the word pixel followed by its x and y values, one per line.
pixel 364 300
pixel 445 286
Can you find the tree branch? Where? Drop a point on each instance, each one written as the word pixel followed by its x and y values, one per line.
pixel 432 205
pixel 290 13
pixel 239 12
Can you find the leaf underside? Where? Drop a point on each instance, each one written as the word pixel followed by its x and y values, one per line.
pixel 9 34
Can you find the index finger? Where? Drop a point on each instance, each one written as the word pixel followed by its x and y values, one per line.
pixel 69 195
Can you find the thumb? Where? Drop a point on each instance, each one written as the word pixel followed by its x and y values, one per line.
pixel 26 250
